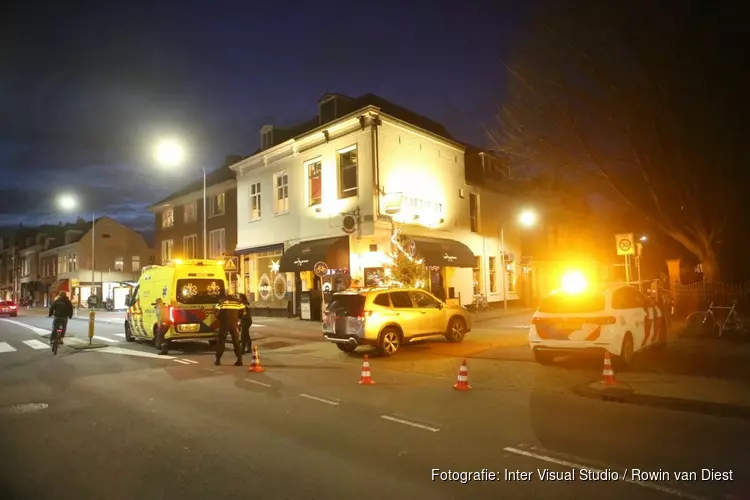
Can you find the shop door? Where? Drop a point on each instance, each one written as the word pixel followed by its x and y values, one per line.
pixel 437 284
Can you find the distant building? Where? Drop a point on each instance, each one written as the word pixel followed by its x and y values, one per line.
pixel 179 218
pixel 335 189
pixel 51 259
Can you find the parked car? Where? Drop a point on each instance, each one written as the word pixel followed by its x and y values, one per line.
pixel 619 319
pixel 387 318
pixel 8 308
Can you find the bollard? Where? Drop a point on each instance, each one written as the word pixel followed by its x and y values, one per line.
pixel 92 315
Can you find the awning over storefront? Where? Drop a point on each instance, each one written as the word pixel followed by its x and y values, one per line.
pixel 59 286
pixel 440 252
pixel 303 256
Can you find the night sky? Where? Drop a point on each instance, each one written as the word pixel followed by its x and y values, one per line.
pixel 87 87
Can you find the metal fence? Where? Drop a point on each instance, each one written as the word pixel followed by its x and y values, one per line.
pixel 698 296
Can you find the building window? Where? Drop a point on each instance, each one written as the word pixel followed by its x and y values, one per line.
pixel 191 212
pixel 166 251
pixel 216 204
pixel 264 285
pixel 167 218
pixel 72 263
pixel 477 272
pixel 136 263
pixel 493 275
pixel 216 243
pixel 255 201
pixel 474 212
pixel 119 264
pixel 281 200
pixel 62 262
pixel 347 164
pixel 189 246
pixel 314 184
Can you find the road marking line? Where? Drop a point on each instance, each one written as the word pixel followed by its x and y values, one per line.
pixel 256 382
pixel 406 422
pixel 130 352
pixel 106 339
pixel 120 335
pixel 37 330
pixel 36 344
pixel 191 361
pixel 314 398
pixel 565 463
pixel 183 362
pixel 255 325
pixel 6 347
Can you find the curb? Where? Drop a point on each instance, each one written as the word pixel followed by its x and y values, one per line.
pixel 85 346
pixel 625 394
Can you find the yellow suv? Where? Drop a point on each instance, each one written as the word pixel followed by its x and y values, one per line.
pixel 389 317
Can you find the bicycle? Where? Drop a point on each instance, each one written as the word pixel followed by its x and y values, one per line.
pixel 58 337
pixel 480 304
pixel 706 322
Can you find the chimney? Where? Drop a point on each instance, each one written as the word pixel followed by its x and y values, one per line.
pixel 266 137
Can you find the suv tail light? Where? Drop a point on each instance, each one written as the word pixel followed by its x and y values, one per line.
pixel 365 314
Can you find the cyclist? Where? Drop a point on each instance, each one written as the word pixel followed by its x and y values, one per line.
pixel 62 310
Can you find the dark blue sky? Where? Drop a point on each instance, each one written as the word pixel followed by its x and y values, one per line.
pixel 87 87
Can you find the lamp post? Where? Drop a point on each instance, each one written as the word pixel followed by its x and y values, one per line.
pixel 69 203
pixel 172 153
pixel 526 218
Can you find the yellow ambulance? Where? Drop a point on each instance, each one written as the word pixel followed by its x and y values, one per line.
pixel 189 288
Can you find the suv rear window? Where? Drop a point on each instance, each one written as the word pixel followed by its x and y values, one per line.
pixel 572 303
pixel 347 305
pixel 199 291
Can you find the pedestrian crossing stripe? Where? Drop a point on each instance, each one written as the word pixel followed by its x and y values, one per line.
pixel 6 347
pixel 36 344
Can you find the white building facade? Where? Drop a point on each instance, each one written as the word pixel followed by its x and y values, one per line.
pixel 336 194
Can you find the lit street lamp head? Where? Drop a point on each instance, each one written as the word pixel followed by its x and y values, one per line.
pixel 169 152
pixel 527 218
pixel 67 202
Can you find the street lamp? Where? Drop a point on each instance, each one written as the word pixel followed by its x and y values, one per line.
pixel 68 203
pixel 171 153
pixel 526 218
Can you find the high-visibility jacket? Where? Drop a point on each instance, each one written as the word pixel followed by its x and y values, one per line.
pixel 229 311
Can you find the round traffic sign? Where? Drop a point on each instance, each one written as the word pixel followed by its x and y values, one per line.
pixel 625 244
pixel 321 269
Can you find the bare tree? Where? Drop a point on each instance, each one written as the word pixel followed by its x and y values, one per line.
pixel 619 98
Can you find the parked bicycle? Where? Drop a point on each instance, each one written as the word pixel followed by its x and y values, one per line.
pixel 479 304
pixel 714 322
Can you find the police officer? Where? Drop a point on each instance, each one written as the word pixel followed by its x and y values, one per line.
pixel 229 310
pixel 247 322
pixel 161 310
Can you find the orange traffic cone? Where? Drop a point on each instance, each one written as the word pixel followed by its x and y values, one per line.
pixel 366 377
pixel 608 375
pixel 462 383
pixel 255 365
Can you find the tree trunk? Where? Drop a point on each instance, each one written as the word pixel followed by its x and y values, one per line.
pixel 710 266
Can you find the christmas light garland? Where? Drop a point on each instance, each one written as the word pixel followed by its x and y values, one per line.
pixel 392 261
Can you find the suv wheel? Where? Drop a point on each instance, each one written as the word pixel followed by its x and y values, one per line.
pixel 347 347
pixel 456 330
pixel 390 341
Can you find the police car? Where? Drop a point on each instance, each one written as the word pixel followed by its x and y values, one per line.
pixel 619 319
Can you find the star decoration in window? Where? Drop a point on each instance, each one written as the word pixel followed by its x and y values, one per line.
pixel 274 266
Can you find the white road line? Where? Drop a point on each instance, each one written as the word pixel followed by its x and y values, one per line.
pixel 131 352
pixel 37 330
pixel 106 339
pixel 257 383
pixel 406 422
pixel 314 398
pixel 565 463
pixel 255 325
pixel 36 344
pixel 191 361
pixel 180 361
pixel 121 335
pixel 6 347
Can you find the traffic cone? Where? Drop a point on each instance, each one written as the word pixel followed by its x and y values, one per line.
pixel 462 383
pixel 608 375
pixel 255 365
pixel 366 376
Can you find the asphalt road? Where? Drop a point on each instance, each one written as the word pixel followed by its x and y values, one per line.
pixel 120 422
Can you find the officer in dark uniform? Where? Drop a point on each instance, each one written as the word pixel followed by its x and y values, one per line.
pixel 247 322
pixel 229 310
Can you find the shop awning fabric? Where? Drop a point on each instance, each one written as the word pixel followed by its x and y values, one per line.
pixel 441 252
pixel 59 286
pixel 303 256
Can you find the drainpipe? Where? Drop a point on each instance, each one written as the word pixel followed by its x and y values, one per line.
pixel 374 121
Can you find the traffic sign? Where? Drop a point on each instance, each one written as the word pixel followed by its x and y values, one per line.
pixel 625 244
pixel 321 269
pixel 230 264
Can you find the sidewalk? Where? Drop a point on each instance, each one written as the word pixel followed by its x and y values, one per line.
pixel 80 314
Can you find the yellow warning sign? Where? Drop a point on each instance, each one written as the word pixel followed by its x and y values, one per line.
pixel 230 265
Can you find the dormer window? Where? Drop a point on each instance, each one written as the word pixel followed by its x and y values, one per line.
pixel 328 110
pixel 266 137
